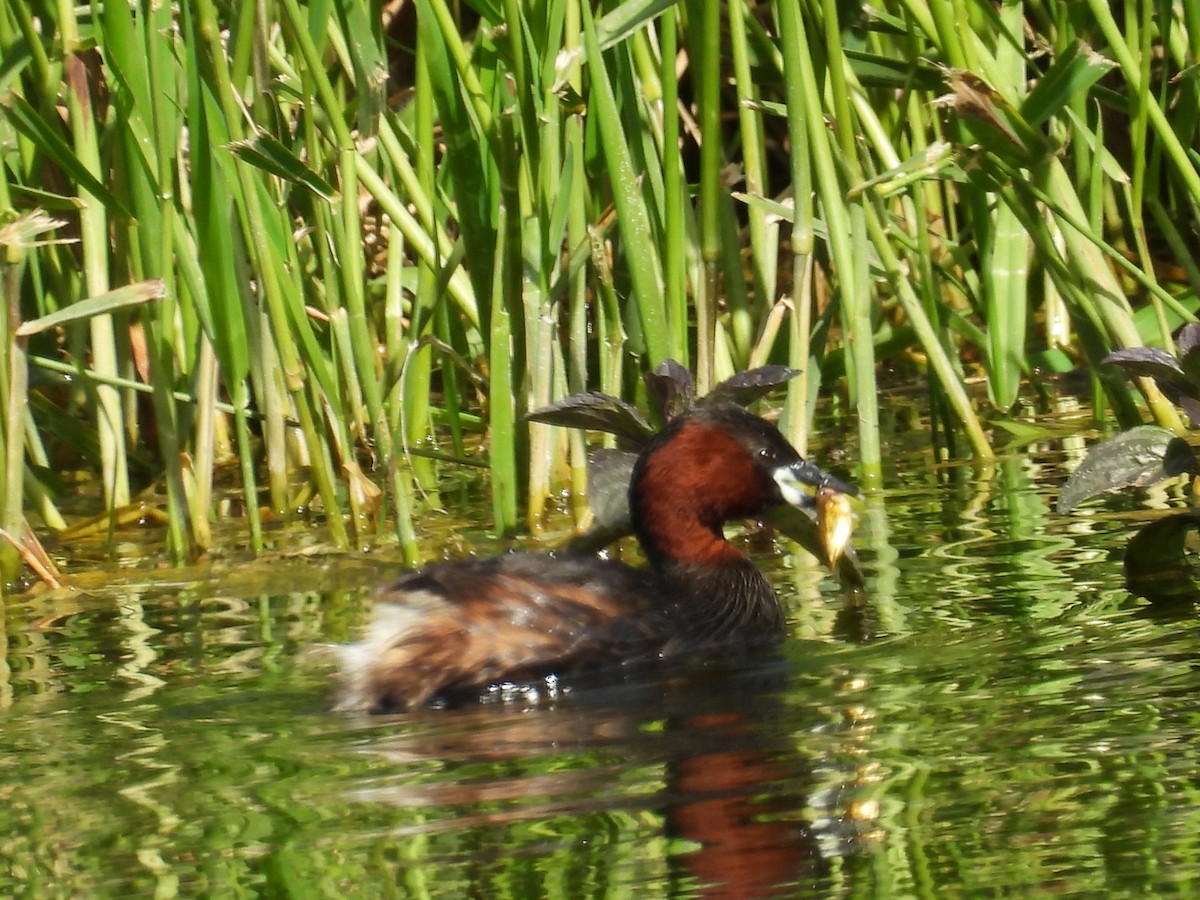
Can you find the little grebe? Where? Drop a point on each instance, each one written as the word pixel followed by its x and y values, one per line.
pixel 453 629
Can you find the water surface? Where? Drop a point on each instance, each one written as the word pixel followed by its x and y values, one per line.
pixel 999 716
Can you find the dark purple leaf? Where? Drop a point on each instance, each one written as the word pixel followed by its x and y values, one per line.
pixel 597 412
pixel 1153 362
pixel 670 388
pixel 1156 563
pixel 1188 344
pixel 1143 455
pixel 746 387
pixel 1180 458
pixel 1191 406
pixel 1188 339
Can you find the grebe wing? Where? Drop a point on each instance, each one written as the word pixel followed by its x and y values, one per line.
pixel 454 627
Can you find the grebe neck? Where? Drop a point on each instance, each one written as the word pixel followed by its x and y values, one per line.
pixel 680 543
pixel 693 478
pixel 732 600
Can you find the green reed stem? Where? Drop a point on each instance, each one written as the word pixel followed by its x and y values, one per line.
pixel 633 220
pixel 705 19
pixel 763 232
pixel 501 407
pixel 675 196
pixel 93 226
pixel 795 71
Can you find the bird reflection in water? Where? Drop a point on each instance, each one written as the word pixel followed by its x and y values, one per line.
pixel 757 793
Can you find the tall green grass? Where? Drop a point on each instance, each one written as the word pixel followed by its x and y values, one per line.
pixel 562 195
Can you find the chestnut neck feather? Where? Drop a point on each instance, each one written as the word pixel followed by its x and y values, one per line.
pixel 686 487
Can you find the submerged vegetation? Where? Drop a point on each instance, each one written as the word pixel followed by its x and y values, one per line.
pixel 322 247
pixel 1156 564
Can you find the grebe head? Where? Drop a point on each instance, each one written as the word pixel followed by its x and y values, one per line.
pixel 715 463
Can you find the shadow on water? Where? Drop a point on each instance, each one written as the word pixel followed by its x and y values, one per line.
pixel 1000 716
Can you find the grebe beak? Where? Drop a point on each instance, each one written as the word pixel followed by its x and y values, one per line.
pixel 799 481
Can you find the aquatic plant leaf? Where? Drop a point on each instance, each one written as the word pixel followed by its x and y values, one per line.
pixel 1180 458
pixel 626 18
pixel 1179 380
pixel 1191 406
pixel 876 70
pixel 271 155
pixel 928 163
pixel 598 412
pixel 1024 432
pixel 671 389
pixel 1187 342
pixel 1053 360
pixel 1152 362
pixel 992 121
pixel 121 298
pixel 44 132
pixel 1156 562
pixel 463 166
pixel 753 384
pixel 1070 75
pixel 1143 455
pixel 1188 339
pixel 367 61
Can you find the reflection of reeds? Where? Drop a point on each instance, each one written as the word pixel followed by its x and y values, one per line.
pixel 900 187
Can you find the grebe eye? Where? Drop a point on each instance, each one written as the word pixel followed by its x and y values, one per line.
pixel 766 453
